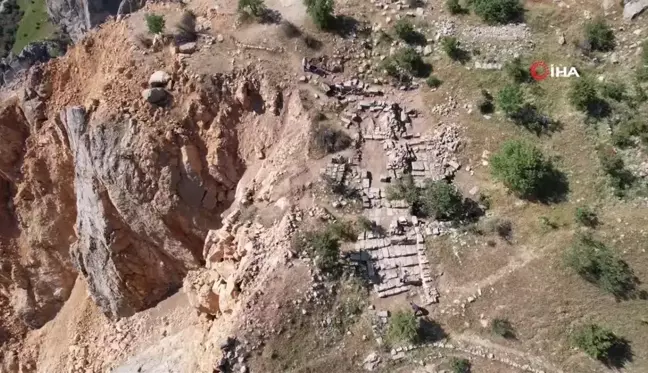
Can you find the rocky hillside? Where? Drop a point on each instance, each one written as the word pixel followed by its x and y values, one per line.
pixel 276 190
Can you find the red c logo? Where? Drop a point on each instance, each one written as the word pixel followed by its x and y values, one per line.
pixel 539 70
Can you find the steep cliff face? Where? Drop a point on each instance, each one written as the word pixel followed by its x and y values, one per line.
pixel 79 16
pixel 148 193
pixel 137 236
pixel 36 231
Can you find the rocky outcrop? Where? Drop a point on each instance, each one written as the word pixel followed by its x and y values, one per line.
pixel 138 235
pixel 36 233
pixel 78 16
pixel 34 53
pixel 632 8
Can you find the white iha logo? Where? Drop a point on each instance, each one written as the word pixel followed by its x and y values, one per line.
pixel 540 70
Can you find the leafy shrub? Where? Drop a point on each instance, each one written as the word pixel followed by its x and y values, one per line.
pixel 613 165
pixel 595 341
pixel 522 168
pixel 403 328
pixel 433 82
pixel 365 224
pixel 327 139
pixel 441 200
pixel 326 248
pixel 410 60
pixel 321 12
pixel 155 23
pixel 405 62
pixel 503 328
pixel 459 365
pixel 404 189
pixel 343 230
pixel 450 46
pixel 547 223
pixel 584 97
pixel 485 105
pixel 504 229
pixel 586 217
pixel 615 90
pixel 624 133
pixel 517 72
pixel 599 35
pixel 186 27
pixel 404 29
pixel 498 11
pixel 254 8
pixel 601 266
pixel 510 99
pixel 454 7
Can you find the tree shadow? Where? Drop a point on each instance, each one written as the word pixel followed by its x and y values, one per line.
pixel 540 124
pixel 472 210
pixel 598 108
pixel 415 38
pixel 460 55
pixel 345 26
pixel 422 70
pixel 289 29
pixel 554 188
pixel 619 354
pixel 312 43
pixel 270 16
pixel 430 331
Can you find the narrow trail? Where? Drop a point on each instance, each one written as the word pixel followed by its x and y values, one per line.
pixel 507 355
pixel 520 260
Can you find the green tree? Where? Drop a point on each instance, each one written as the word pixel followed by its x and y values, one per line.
pixel 321 12
pixel 403 328
pixel 599 265
pixel 155 23
pixel 497 11
pixel 510 99
pixel 599 35
pixel 583 94
pixel 450 46
pixel 255 8
pixel 326 247
pixel 404 29
pixel 595 341
pixel 404 189
pixel 522 168
pixel 517 72
pixel 441 200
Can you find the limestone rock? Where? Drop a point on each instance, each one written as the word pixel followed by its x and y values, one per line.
pixel 187 48
pixel 155 95
pixel 633 8
pixel 159 79
pixel 133 243
pixel 201 287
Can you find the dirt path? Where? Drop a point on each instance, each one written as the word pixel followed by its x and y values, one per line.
pixel 520 260
pixel 507 355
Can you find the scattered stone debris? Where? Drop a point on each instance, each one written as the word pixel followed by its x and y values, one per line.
pixel 371 362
